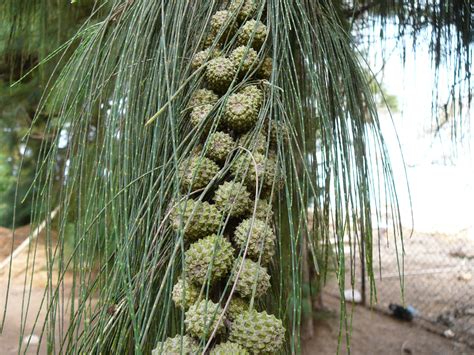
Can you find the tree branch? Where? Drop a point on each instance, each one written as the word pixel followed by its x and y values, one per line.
pixel 355 12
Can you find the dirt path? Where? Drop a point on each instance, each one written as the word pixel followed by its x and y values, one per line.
pixel 375 333
pixel 6 240
pixel 9 339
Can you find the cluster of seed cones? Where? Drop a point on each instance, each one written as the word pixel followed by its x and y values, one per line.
pixel 228 229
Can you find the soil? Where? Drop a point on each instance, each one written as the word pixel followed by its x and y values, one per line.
pixel 376 333
pixel 438 279
pixel 372 332
pixel 9 339
pixel 6 240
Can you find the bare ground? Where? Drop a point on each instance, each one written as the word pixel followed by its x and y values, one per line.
pixel 438 281
pixel 376 333
pixel 9 339
pixel 18 301
pixel 372 332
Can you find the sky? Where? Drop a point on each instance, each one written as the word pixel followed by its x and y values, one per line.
pixel 440 170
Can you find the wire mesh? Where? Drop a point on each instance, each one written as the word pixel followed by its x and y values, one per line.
pixel 437 282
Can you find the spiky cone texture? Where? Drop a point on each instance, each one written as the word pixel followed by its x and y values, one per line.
pixel 258 332
pixel 245 59
pixel 278 130
pixel 255 94
pixel 203 56
pixel 219 146
pixel 251 276
pixel 257 165
pixel 203 97
pixel 264 211
pixel 211 40
pixel 199 219
pixel 184 294
pixel 229 348
pixel 260 238
pixel 223 24
pixel 256 143
pixel 232 198
pixel 219 74
pixel 210 258
pixel 216 40
pixel 240 112
pixel 265 69
pixel 197 172
pixel 236 306
pixel 252 33
pixel 177 346
pixel 202 318
pixel 199 114
pixel 244 9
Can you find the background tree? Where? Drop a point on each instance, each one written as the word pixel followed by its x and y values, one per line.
pixel 30 32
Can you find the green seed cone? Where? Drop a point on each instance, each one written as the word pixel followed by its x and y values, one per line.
pixel 266 170
pixel 197 172
pixel 244 9
pixel 236 306
pixel 264 211
pixel 259 237
pixel 252 33
pixel 278 130
pixel 219 146
pixel 258 332
pixel 177 346
pixel 184 294
pixel 245 59
pixel 240 112
pixel 199 116
pixel 203 97
pixel 229 348
pixel 204 56
pixel 202 318
pixel 256 143
pixel 265 69
pixel 223 24
pixel 254 93
pixel 209 258
pixel 232 198
pixel 252 276
pixel 219 74
pixel 199 219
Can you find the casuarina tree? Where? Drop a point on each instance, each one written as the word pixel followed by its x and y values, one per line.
pixel 214 152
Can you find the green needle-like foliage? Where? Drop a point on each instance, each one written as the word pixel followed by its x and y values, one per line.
pixel 116 259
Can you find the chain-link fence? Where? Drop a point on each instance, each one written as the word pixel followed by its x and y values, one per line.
pixel 438 281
